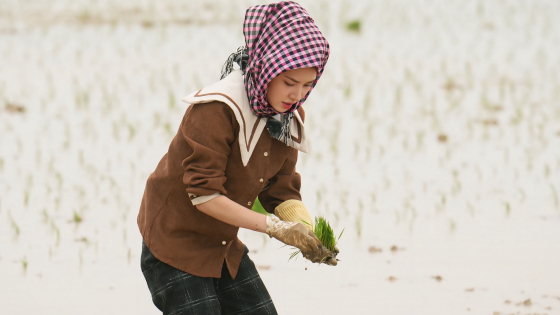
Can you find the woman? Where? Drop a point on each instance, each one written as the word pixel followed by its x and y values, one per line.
pixel 239 140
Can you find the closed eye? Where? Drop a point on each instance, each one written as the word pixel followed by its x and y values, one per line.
pixel 306 85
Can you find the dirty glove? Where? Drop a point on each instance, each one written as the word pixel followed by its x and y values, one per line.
pixel 294 211
pixel 294 234
pixel 323 256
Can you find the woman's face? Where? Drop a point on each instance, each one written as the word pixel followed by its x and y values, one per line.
pixel 289 87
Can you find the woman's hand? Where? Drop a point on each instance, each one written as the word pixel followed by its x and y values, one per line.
pixel 294 234
pixel 322 256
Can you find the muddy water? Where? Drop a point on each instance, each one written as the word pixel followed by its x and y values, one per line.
pixel 434 139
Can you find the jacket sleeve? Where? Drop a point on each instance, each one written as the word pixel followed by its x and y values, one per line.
pixel 209 131
pixel 285 185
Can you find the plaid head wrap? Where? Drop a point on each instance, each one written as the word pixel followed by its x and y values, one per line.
pixel 278 37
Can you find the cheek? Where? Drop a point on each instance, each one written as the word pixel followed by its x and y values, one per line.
pixel 272 93
pixel 269 94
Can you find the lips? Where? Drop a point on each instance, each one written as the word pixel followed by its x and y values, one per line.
pixel 286 105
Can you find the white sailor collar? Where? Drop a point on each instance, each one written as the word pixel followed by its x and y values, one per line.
pixel 231 90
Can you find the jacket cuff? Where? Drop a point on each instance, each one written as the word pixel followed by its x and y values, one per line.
pixel 294 211
pixel 196 200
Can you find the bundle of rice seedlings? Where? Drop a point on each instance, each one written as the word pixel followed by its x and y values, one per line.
pixel 325 234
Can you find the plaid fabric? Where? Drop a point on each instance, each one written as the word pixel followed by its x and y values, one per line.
pixel 280 37
pixel 175 292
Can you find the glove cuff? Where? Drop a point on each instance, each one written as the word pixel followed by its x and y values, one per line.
pixel 270 220
pixel 294 211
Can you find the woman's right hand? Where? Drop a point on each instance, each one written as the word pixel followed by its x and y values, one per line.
pixel 294 234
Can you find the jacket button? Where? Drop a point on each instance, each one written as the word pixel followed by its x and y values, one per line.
pixel 261 180
pixel 223 242
pixel 266 154
pixel 249 203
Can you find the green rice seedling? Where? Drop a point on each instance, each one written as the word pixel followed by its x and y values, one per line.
pixel 359 225
pixel 14 225
pixel 56 230
pixel 325 234
pixel 131 132
pixel 26 198
pixel 77 218
pixel 354 26
pixel 168 128
pixel 508 208
pixel 172 104
pixel 24 265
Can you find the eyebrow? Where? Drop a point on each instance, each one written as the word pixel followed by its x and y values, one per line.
pixel 296 81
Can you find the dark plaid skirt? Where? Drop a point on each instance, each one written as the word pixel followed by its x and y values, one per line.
pixel 176 292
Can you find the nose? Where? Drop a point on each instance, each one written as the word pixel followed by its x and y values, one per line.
pixel 296 94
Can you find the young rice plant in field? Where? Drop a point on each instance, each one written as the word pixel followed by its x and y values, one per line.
pixel 325 234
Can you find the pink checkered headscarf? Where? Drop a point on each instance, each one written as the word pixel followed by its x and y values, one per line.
pixel 279 37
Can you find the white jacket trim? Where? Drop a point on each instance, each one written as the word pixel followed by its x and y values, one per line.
pixel 231 90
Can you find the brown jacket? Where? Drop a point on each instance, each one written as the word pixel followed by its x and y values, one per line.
pixel 203 159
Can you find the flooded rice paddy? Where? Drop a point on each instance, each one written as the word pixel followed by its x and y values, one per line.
pixel 434 142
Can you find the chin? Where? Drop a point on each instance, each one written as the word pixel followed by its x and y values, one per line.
pixel 281 109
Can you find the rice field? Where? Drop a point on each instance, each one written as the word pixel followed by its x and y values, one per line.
pixel 434 142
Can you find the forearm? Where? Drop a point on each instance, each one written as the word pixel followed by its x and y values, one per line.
pixel 224 209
